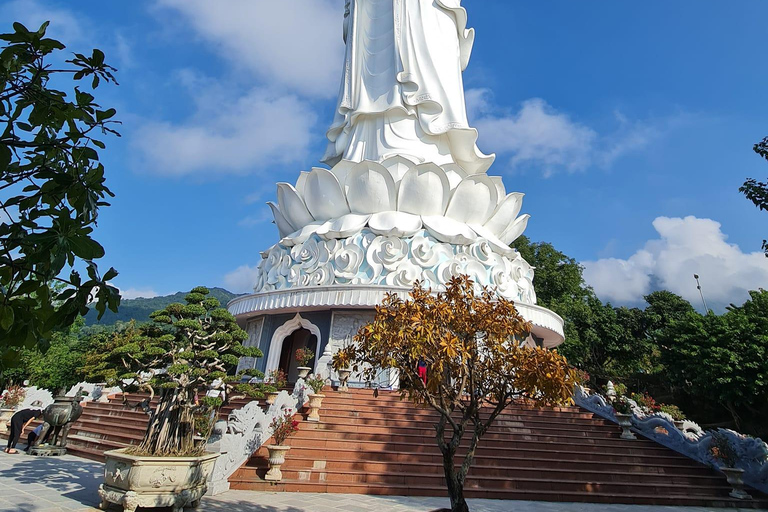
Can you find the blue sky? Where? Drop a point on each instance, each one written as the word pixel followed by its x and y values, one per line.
pixel 628 125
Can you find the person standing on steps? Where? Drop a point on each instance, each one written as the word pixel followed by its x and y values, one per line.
pixel 422 369
pixel 19 422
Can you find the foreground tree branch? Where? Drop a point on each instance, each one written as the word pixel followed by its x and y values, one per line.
pixel 53 186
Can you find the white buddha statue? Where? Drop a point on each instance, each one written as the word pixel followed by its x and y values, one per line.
pixel 402 91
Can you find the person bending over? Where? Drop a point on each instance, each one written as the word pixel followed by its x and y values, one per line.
pixel 19 422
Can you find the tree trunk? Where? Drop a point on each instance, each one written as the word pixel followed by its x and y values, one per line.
pixel 455 487
pixel 170 429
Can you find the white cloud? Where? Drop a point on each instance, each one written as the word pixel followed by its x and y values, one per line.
pixel 296 44
pixel 539 136
pixel 242 279
pixel 135 293
pixel 228 133
pixel 686 246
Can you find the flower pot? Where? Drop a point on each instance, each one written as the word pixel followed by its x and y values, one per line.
pixel 139 481
pixel 276 460
pixel 271 396
pixel 5 419
pixel 303 371
pixel 343 378
pixel 735 477
pixel 625 422
pixel 315 401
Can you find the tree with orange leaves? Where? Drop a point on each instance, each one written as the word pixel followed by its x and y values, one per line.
pixel 477 366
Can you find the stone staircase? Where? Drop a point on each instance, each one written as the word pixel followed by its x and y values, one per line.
pixel 386 446
pixel 111 425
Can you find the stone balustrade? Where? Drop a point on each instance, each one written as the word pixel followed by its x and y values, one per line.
pixel 690 440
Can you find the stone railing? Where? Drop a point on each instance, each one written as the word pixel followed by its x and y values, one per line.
pixel 39 398
pixel 690 440
pixel 245 431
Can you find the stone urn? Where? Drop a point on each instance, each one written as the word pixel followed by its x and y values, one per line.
pixel 343 379
pixel 315 401
pixel 303 371
pixel 60 416
pixel 625 422
pixel 276 460
pixel 271 396
pixel 5 419
pixel 140 481
pixel 735 477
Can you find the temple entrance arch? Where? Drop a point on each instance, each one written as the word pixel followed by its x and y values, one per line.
pixel 293 334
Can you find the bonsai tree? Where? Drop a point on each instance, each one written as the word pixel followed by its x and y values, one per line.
pixel 476 366
pixel 120 357
pixel 188 348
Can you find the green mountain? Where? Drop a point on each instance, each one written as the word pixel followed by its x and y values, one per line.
pixel 140 309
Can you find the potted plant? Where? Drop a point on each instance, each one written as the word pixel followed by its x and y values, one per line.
pixel 678 418
pixel 186 349
pixel 341 362
pixel 722 452
pixel 303 357
pixel 282 428
pixel 9 402
pixel 275 381
pixel 624 411
pixel 317 384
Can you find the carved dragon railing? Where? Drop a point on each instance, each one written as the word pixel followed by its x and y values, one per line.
pixel 690 440
pixel 245 431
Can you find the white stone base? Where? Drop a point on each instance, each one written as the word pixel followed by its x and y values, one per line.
pixel 547 325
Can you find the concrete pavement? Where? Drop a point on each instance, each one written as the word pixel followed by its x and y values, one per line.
pixel 60 484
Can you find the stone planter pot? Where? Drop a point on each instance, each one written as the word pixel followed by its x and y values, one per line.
pixel 735 479
pixel 343 379
pixel 303 371
pixel 276 460
pixel 271 396
pixel 625 422
pixel 137 481
pixel 5 419
pixel 315 401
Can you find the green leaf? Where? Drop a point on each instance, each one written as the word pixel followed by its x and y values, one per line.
pixel 6 317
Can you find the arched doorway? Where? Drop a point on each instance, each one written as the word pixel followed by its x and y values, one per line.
pixel 280 358
pixel 300 338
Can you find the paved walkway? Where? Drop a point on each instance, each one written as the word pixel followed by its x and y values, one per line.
pixel 58 484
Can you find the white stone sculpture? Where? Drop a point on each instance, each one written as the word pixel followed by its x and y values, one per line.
pixel 245 431
pixel 399 197
pixel 691 441
pixel 407 196
pixel 367 259
pixel 402 91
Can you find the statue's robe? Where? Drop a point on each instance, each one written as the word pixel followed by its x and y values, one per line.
pixel 402 91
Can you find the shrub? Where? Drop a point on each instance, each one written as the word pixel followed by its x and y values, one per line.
pixel 343 358
pixel 316 382
pixel 284 427
pixel 277 378
pixel 722 449
pixel 646 402
pixel 304 356
pixel 622 405
pixel 673 411
pixel 12 397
